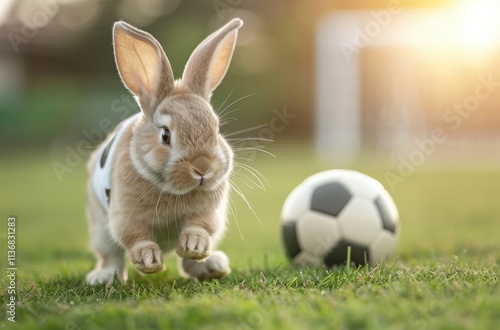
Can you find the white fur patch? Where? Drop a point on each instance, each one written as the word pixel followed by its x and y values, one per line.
pixel 144 172
pixel 209 175
pixel 101 174
pixel 176 154
pixel 162 120
pixel 150 160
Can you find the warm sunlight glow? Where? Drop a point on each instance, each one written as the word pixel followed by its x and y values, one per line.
pixel 5 7
pixel 479 22
pixel 477 28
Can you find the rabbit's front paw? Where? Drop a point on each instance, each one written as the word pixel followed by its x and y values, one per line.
pixel 147 257
pixel 194 243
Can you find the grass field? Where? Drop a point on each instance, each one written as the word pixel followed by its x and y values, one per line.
pixel 444 274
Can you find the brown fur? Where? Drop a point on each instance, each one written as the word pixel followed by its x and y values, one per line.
pixel 165 197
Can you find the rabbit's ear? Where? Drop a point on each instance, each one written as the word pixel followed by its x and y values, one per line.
pixel 142 65
pixel 208 63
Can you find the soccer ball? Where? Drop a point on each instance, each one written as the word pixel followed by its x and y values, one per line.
pixel 335 211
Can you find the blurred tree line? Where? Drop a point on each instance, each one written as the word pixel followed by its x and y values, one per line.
pixel 58 79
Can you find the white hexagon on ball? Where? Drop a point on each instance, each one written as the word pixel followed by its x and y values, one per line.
pixel 360 221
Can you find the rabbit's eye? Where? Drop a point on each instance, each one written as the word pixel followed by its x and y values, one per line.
pixel 165 136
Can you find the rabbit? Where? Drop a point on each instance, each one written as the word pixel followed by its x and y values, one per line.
pixel 160 180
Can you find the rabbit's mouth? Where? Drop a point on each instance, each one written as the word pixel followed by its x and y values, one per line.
pixel 200 173
pixel 206 184
pixel 169 188
pixel 180 186
pixel 202 179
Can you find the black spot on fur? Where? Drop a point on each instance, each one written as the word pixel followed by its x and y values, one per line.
pixel 105 153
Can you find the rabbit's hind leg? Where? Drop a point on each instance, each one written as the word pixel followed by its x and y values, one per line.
pixel 214 267
pixel 110 256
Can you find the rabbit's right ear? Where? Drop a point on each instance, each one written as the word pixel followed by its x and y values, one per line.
pixel 209 62
pixel 142 65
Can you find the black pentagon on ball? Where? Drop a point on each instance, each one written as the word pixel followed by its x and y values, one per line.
pixel 384 215
pixel 330 198
pixel 337 256
pixel 289 236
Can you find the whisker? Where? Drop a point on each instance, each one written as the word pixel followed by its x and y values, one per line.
pixel 234 211
pixel 249 205
pixel 238 100
pixel 254 172
pixel 238 140
pixel 258 146
pixel 223 116
pixel 230 93
pixel 244 182
pixel 243 158
pixel 257 184
pixel 226 121
pixel 246 130
pixel 256 149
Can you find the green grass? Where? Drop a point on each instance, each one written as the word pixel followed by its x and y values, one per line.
pixel 444 274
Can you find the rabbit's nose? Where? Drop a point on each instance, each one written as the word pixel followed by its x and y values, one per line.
pixel 201 165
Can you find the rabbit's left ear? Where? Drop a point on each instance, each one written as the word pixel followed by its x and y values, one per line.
pixel 143 66
pixel 209 62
